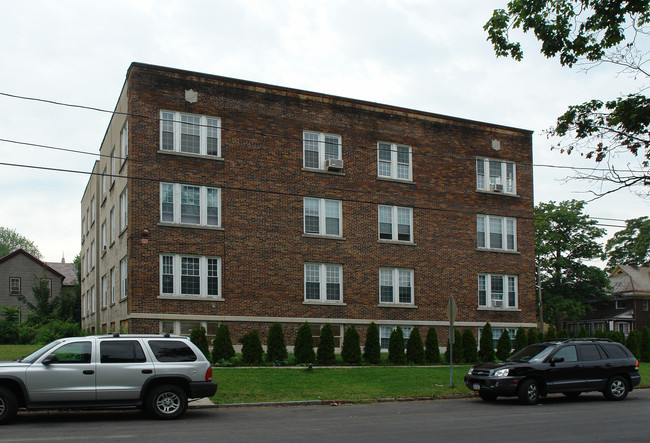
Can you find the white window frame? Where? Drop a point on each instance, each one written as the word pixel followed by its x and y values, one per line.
pixel 396 167
pixel 104 184
pixel 104 291
pixel 322 204
pixel 124 210
pixel 309 138
pixel 205 127
pixel 14 286
pixel 488 298
pixel 176 273
pixel 496 335
pixel 92 211
pixel 104 237
pixel 112 288
pixel 111 219
pixel 507 227
pixel 124 278
pixel 93 300
pixel 323 274
pixel 113 166
pixel 394 277
pixel 386 331
pixel 92 254
pixel 506 179
pixel 176 204
pixel 391 215
pixel 124 143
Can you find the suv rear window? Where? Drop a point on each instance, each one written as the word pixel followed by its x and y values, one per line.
pixel 121 351
pixel 615 351
pixel 590 353
pixel 171 350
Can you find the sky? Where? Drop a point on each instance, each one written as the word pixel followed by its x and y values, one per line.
pixel 429 55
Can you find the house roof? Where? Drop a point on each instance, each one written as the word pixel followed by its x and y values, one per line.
pixel 630 281
pixel 68 270
pixel 17 252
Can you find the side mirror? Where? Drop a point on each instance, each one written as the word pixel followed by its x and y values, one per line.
pixel 52 358
pixel 557 360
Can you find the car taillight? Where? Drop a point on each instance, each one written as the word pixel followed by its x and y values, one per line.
pixel 208 374
pixel 636 365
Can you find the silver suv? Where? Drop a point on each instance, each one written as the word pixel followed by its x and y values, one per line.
pixel 153 372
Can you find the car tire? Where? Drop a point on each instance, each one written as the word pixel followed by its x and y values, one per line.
pixel 487 396
pixel 8 406
pixel 616 388
pixel 166 402
pixel 529 392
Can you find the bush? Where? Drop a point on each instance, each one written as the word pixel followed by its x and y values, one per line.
pixel 396 347
pixel 582 333
pixel 504 345
pixel 563 333
pixel 325 351
pixel 551 333
pixel 303 348
pixel 600 333
pixel 56 329
pixel 197 336
pixel 351 351
pixel 617 336
pixel 222 349
pixel 457 348
pixel 533 336
pixel 486 352
pixel 252 351
pixel 645 344
pixel 470 348
pixel 520 339
pixel 633 343
pixel 276 350
pixel 432 348
pixel 372 348
pixel 414 347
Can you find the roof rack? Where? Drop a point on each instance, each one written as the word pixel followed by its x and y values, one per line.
pixel 564 339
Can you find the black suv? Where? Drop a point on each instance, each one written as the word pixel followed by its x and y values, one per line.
pixel 569 366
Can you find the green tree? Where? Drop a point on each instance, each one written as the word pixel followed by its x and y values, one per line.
pixel 42 310
pixel 504 345
pixel 252 350
pixel 276 349
pixel 630 245
pixel 470 347
pixel 563 333
pixel 486 351
pixel 533 336
pixel 645 344
pixel 590 32
pixel 372 347
pixel 351 350
pixel 633 343
pixel 325 352
pixel 303 348
pixel 396 347
pixel 414 347
pixel 432 347
pixel 583 333
pixel 600 333
pixel 565 239
pixel 198 337
pixel 10 240
pixel 551 333
pixel 617 336
pixel 222 348
pixel 521 339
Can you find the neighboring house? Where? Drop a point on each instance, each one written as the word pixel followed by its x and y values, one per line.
pixel 224 200
pixel 20 270
pixel 628 309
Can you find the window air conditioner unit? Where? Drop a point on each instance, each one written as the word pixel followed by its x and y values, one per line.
pixel 497 303
pixel 333 164
pixel 495 187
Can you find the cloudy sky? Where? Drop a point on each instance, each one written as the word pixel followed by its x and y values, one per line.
pixel 429 55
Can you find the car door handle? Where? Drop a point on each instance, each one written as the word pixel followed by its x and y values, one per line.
pixel 147 371
pixel 89 372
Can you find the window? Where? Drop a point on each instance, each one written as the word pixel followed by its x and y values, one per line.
pixel 92 255
pixel 322 217
pixel 496 335
pixel 124 278
pixel 92 210
pixel 497 291
pixel 124 143
pixel 323 282
pixel 104 291
pixel 104 237
pixel 386 331
pixel 113 166
pixel 121 351
pixel 111 220
pixel 186 204
pixel 104 184
pixel 318 147
pixel 591 353
pixel 645 305
pixel 496 232
pixel 568 353
pixel 316 333
pixel 78 352
pixel 14 286
pixel 112 287
pixel 190 134
pixel 93 299
pixel 396 286
pixel 123 210
pixel 394 161
pixel 171 351
pixel 622 327
pixel 395 223
pixel 495 176
pixel 190 276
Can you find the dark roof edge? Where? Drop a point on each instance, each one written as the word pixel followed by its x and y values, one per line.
pixel 34 259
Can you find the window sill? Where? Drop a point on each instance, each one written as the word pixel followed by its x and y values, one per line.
pixel 324 237
pixel 189 298
pixel 323 171
pixel 396 305
pixel 190 226
pixel 395 180
pixel 190 155
pixel 323 303
pixel 397 242
pixel 492 309
pixel 505 194
pixel 501 251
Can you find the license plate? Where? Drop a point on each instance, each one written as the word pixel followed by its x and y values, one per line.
pixel 476 387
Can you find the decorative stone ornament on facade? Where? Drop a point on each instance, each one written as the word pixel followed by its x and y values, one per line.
pixel 191 96
pixel 496 145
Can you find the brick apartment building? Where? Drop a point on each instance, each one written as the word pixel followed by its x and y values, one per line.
pixel 223 200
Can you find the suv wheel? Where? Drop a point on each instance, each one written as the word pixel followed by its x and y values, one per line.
pixel 8 406
pixel 529 392
pixel 616 388
pixel 166 402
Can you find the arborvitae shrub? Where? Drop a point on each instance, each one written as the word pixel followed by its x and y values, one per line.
pixel 563 333
pixel 470 348
pixel 351 351
pixel 325 352
pixel 457 348
pixel 633 343
pixel 600 333
pixel 396 347
pixel 582 333
pixel 198 337
pixel 533 336
pixel 521 340
pixel 414 347
pixel 486 351
pixel 252 351
pixel 645 344
pixel 276 349
pixel 222 348
pixel 372 347
pixel 617 336
pixel 551 333
pixel 432 347
pixel 504 345
pixel 303 348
